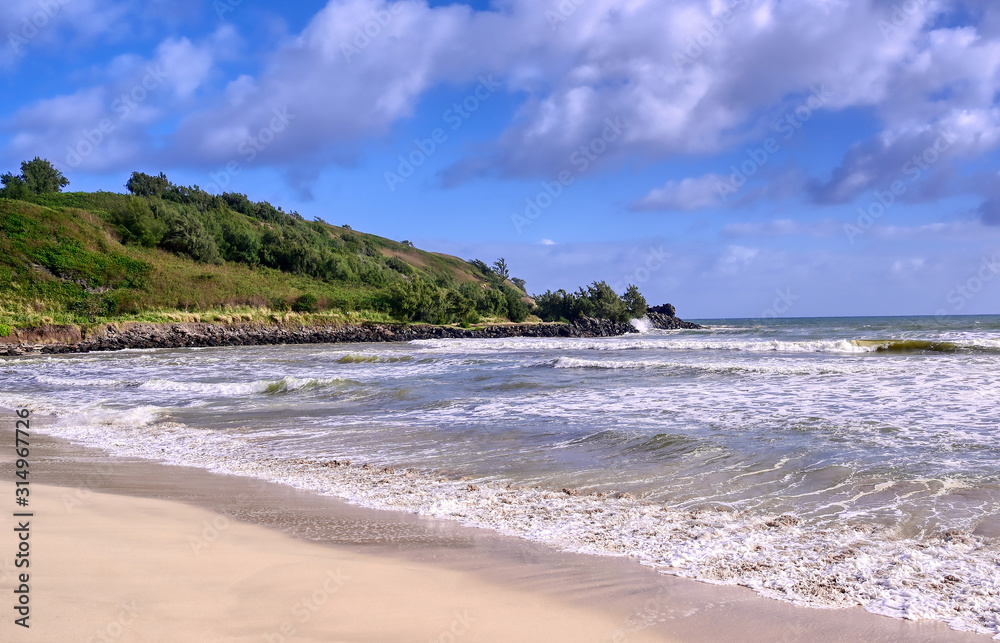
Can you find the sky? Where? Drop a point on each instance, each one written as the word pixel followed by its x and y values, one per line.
pixel 737 158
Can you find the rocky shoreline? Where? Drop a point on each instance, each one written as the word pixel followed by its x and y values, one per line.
pixel 110 337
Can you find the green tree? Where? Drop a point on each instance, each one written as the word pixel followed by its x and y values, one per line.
pixel 141 184
pixel 13 187
pixel 41 177
pixel 37 176
pixel 607 304
pixel 635 303
pixel 517 309
pixel 500 270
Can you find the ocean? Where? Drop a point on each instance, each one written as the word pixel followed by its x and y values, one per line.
pixel 826 462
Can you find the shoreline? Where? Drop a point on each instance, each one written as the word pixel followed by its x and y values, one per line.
pixel 425 568
pixel 142 335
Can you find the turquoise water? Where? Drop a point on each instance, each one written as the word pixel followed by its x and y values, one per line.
pixel 828 462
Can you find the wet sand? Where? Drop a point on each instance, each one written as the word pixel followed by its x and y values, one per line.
pixel 130 550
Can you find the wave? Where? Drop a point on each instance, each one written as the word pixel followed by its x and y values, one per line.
pixel 642 325
pixel 712 367
pixel 927 346
pixel 373 359
pixel 653 341
pixel 102 382
pixel 283 385
pixel 949 576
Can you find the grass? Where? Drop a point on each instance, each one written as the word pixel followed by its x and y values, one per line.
pixel 62 262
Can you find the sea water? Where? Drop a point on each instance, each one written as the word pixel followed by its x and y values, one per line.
pixel 826 462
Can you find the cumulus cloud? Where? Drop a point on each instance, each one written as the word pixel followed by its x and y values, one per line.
pixel 106 126
pixel 688 77
pixel 687 194
pixel 31 27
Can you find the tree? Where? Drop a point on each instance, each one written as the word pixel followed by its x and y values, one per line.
pixel 37 176
pixel 635 303
pixel 517 310
pixel 141 184
pixel 500 270
pixel 13 187
pixel 606 303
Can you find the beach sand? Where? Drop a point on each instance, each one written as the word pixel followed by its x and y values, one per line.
pixel 128 550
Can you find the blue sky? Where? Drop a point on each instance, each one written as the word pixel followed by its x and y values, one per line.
pixel 741 158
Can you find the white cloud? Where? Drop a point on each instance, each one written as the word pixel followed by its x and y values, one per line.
pixel 32 27
pixel 684 76
pixel 785 228
pixel 104 126
pixel 687 194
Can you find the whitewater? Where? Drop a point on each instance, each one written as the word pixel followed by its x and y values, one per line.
pixel 824 462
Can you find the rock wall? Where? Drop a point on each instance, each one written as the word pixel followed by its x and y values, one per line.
pixel 71 339
pixel 75 339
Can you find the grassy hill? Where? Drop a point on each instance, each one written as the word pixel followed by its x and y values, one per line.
pixel 170 253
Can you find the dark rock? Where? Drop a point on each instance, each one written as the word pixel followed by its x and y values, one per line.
pixel 665 309
pixel 668 322
pixel 145 335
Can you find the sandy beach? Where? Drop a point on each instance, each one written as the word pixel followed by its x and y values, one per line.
pixel 127 550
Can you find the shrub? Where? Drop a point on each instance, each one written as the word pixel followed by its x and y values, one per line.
pixel 6 330
pixel 135 221
pixel 517 309
pixel 306 303
pixel 597 300
pixel 187 235
pixel 418 300
pixel 399 265
pixel 121 302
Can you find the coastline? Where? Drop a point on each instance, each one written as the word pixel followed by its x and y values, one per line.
pixel 125 335
pixel 222 557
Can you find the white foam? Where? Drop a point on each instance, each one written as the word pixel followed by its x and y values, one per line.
pixel 643 325
pixel 238 388
pixel 953 581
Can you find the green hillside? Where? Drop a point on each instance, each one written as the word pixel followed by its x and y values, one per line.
pixel 167 253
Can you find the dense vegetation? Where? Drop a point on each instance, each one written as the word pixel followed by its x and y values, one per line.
pixel 597 300
pixel 85 257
